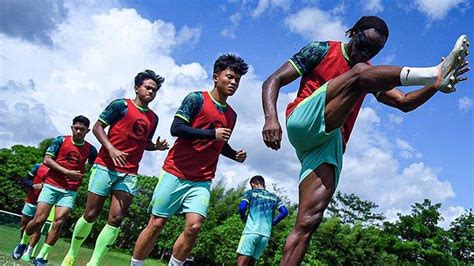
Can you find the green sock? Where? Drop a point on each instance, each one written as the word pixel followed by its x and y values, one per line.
pixel 81 232
pixel 105 240
pixel 25 239
pixel 44 251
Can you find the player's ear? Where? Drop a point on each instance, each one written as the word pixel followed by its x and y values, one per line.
pixel 136 89
pixel 214 77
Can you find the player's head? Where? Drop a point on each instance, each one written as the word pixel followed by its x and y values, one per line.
pixel 368 37
pixel 147 83
pixel 80 127
pixel 228 69
pixel 257 181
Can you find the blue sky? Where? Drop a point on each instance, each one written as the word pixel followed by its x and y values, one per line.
pixel 64 58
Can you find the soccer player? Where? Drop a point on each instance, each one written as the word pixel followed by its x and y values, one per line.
pixel 131 127
pixel 203 125
pixel 34 182
pixel 259 221
pixel 66 158
pixel 336 77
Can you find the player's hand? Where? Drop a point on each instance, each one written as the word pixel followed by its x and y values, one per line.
pixel 74 174
pixel 118 157
pixel 38 186
pixel 161 144
pixel 223 134
pixel 272 133
pixel 241 156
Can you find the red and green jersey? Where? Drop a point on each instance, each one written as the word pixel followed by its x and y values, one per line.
pixel 38 173
pixel 72 156
pixel 131 128
pixel 196 159
pixel 317 63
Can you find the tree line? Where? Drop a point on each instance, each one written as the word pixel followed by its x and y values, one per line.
pixel 351 233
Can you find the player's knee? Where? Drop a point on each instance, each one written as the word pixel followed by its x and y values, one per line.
pixel 116 220
pixel 90 216
pixel 156 224
pixel 310 223
pixel 193 229
pixel 58 223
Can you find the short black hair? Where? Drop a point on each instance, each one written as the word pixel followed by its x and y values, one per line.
pixel 148 74
pixel 81 119
pixel 368 22
pixel 258 179
pixel 231 61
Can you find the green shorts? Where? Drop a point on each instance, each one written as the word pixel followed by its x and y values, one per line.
pixel 174 195
pixel 306 132
pixel 57 196
pixel 103 180
pixel 252 245
pixel 29 209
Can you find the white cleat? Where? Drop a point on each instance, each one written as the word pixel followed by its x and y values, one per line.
pixel 448 68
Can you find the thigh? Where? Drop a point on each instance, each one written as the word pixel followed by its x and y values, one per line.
pixel 94 206
pixel 315 193
pixel 197 198
pixel 120 203
pixel 247 244
pixel 61 213
pixel 260 245
pixel 168 195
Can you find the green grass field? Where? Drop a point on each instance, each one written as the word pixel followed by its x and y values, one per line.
pixel 9 237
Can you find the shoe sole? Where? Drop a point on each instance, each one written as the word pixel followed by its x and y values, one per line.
pixel 451 64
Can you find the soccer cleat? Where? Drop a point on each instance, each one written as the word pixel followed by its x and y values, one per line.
pixel 69 261
pixel 18 251
pixel 448 68
pixel 26 258
pixel 40 262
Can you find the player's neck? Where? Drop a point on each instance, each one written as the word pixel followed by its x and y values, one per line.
pixel 222 99
pixel 139 103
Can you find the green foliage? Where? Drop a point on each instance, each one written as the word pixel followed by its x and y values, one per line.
pixel 350 236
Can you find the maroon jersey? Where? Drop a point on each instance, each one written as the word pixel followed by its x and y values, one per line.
pixel 71 157
pixel 196 159
pixel 129 133
pixel 38 178
pixel 331 63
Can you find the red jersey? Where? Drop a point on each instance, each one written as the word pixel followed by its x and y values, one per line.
pixel 71 157
pixel 196 159
pixel 332 62
pixel 39 176
pixel 130 134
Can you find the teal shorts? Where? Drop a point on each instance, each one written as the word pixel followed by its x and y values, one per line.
pixel 104 180
pixel 57 196
pixel 29 209
pixel 174 195
pixel 252 245
pixel 307 133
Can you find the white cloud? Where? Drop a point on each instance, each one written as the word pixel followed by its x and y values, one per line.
pixel 395 119
pixel 372 6
pixel 373 171
pixel 264 5
pixel 438 9
pixel 465 104
pixel 229 31
pixel 315 24
pixel 450 214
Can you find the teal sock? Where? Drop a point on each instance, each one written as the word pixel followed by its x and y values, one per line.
pixel 44 251
pixel 105 240
pixel 81 232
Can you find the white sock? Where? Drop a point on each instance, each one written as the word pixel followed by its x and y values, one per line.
pixel 29 250
pixel 175 262
pixel 426 76
pixel 136 262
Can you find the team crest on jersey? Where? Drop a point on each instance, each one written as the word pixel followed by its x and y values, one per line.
pixel 140 127
pixel 73 157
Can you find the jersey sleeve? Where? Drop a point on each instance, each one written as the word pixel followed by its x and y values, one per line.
pixel 34 169
pixel 115 111
pixel 309 57
pixel 152 132
pixel 53 149
pixel 247 196
pixel 190 106
pixel 279 203
pixel 92 155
